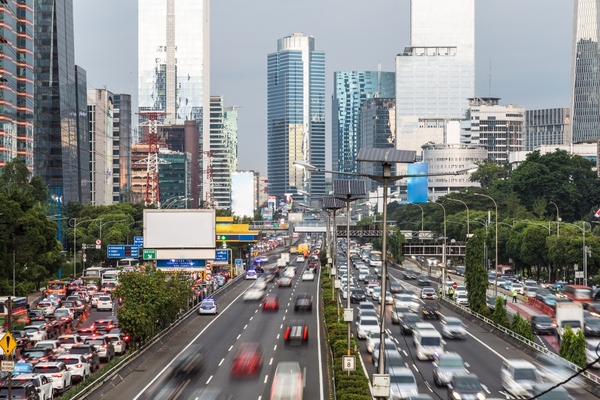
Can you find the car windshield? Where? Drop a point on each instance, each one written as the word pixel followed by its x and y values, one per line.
pixel 45 369
pixel 593 321
pixel 30 329
pixel 368 322
pixel 451 362
pixel 454 323
pixel 70 361
pixel 104 298
pixel 572 324
pixel 42 345
pixel 543 319
pixel 67 340
pixel 525 374
pixel 95 342
pixel 402 379
pixel 79 350
pixel 430 341
pixel 411 318
pixel 467 384
pixel 34 353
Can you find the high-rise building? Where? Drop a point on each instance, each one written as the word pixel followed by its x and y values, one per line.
pixel 122 139
pixel 100 117
pixel 350 90
pixel 223 153
pixel 16 88
pixel 550 126
pixel 295 115
pixel 174 64
pixel 585 72
pixel 435 75
pixel 377 126
pixel 61 152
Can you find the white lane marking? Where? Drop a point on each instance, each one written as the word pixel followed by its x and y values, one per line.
pixel 209 379
pixel 275 348
pixel 266 378
pixel 238 336
pixel 245 326
pixel 284 316
pixel 230 347
pixel 487 347
pixel 278 336
pixel 415 367
pixel 252 317
pixel 405 353
pixel 186 347
pixel 255 311
pixel 281 326
pixel 286 311
pixel 271 361
pixel 221 363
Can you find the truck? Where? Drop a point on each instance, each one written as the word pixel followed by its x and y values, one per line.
pixel 286 258
pixel 304 249
pixel 293 250
pixel 568 313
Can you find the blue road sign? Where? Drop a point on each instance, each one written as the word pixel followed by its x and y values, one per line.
pixel 239 261
pixel 120 251
pixel 138 241
pixel 222 256
pixel 181 263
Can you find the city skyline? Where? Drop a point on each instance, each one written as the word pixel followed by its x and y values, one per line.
pixel 526 70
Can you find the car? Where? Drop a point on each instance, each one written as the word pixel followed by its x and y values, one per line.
pixel 396 287
pixel 23 341
pixel 390 346
pixel 363 272
pixel 403 384
pixel 491 303
pixel 460 289
pixel 77 364
pixel 251 274
pixel 289 272
pixel 407 323
pixel 300 259
pixel 34 356
pixel 423 280
pixel 376 294
pixel 558 393
pixel 296 332
pixel 308 276
pixel 591 345
pixel 591 326
pixel 370 287
pixel 431 309
pixel 453 328
pixel 542 324
pixel 445 366
pixel 397 312
pixel 46 306
pixel 41 383
pixel 466 386
pixel 105 348
pixel 461 299
pixel 303 302
pixel 366 305
pixel 366 313
pixel 364 325
pixel 373 339
pixel 104 303
pixel 369 279
pixel 409 274
pixel 19 390
pixel 118 343
pixel 407 300
pixel 58 372
pixel 516 286
pixel 389 299
pixel 288 381
pixel 36 332
pixel 89 331
pixel 271 302
pixel 94 298
pixel 247 361
pixel 428 293
pixel 284 281
pixel 253 294
pixel 357 295
pixel 208 306
pixel 54 345
pixel 518 377
pixel 90 352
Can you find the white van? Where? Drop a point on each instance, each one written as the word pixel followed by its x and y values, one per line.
pixel 429 343
pixel 519 377
pixel 110 276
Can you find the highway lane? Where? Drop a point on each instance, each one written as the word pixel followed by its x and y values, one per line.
pixel 241 322
pixel 482 351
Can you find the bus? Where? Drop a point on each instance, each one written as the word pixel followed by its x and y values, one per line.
pixel 128 262
pixel 375 259
pixel 18 313
pixel 579 293
pixel 93 274
pixel 57 288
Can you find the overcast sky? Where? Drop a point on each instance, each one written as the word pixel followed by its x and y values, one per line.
pixel 528 43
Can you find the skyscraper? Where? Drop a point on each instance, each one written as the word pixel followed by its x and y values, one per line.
pixel 295 115
pixel 174 63
pixel 223 157
pixel 585 73
pixel 435 75
pixel 100 117
pixel 350 90
pixel 61 144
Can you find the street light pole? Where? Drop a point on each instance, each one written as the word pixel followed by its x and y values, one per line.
pixel 467 207
pixel 496 270
pixel 443 278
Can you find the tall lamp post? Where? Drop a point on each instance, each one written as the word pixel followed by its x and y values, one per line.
pixel 422 220
pixel 467 207
pixel 443 279
pixel 496 261
pixel 583 229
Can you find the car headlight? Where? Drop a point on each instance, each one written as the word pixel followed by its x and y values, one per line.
pixel 481 396
pixel 456 395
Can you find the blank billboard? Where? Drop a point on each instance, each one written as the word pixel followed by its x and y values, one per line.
pixel 242 194
pixel 179 229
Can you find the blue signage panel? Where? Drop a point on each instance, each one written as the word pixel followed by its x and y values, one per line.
pixel 417 186
pixel 222 256
pixel 239 261
pixel 180 263
pixel 138 241
pixel 120 251
pixel 248 238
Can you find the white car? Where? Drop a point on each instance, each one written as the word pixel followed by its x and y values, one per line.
pixel 253 294
pixel 389 299
pixel 407 300
pixel 363 272
pixel 462 299
pixel 104 303
pixel 118 343
pixel 208 306
pixel 289 272
pixel 50 344
pixel 36 332
pixel 300 259
pixel 251 274
pixel 453 328
pixel 77 364
pixel 402 383
pixel 370 288
pixel 95 297
pixel 366 325
pixel 460 290
pixel 308 276
pixel 42 384
pixel 373 340
pixel 58 372
pixel 68 341
pixel 47 306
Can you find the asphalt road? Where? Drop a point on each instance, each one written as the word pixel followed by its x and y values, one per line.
pixel 220 336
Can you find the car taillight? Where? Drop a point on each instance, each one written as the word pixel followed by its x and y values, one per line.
pixel 287 333
pixel 305 333
pixel 104 346
pixel 78 365
pixel 118 343
pixel 57 375
pixel 300 387
pixel 126 338
pixel 273 387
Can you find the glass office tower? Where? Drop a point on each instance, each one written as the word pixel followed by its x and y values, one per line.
pixel 435 75
pixel 61 147
pixel 585 74
pixel 295 115
pixel 350 90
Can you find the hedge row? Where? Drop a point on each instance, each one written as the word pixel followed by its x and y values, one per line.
pixel 348 386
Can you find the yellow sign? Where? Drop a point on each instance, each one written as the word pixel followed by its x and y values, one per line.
pixel 8 343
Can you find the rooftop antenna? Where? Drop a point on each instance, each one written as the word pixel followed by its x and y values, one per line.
pixel 490 81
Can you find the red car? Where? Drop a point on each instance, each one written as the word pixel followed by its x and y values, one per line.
pixel 296 332
pixel 247 360
pixel 271 302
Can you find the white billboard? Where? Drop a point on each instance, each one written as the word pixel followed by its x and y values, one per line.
pixel 179 229
pixel 242 194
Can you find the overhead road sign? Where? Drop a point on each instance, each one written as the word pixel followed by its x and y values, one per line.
pixel 138 241
pixel 149 254
pixel 228 237
pixel 122 251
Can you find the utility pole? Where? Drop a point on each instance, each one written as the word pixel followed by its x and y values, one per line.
pixel 9 306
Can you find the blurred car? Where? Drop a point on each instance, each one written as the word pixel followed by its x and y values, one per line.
pixel 118 343
pixel 19 390
pixel 105 348
pixel 36 332
pixel 461 299
pixel 408 322
pixel 423 280
pixel 466 386
pixel 453 328
pixel 431 309
pixel 34 356
pixel 407 300
pixel 518 377
pixel 303 301
pixel 105 324
pixel 397 312
pixel 284 281
pixel 42 384
pixel 288 381
pixel 77 364
pixel 90 352
pixel 68 341
pixel 591 326
pixel 296 332
pixel 364 325
pixel 542 324
pixel 491 303
pixel 247 360
pixel 591 346
pixel 253 294
pixel 402 383
pixel 271 302
pixel 396 287
pixel 357 295
pixel 300 259
pixel 390 347
pixel 445 366
pixel 104 303
pixel 410 274
pixel 558 393
pixel 308 276
pixel 208 306
pixel 428 293
pixel 54 345
pixel 373 339
pixel 370 287
pixel 58 372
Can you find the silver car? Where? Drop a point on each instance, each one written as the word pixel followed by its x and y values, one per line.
pixel 453 328
pixel 402 383
pixel 445 366
pixel 366 325
pixel 288 382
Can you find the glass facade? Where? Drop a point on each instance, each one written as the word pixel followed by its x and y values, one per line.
pixel 16 111
pixel 435 75
pixel 223 144
pixel 174 179
pixel 295 115
pixel 350 90
pixel 100 120
pixel 548 126
pixel 585 75
pixel 121 147
pixel 60 149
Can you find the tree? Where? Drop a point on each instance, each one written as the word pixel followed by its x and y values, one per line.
pixel 488 174
pixel 476 279
pixel 394 245
pixel 499 315
pixel 521 326
pixel 578 356
pixel 567 344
